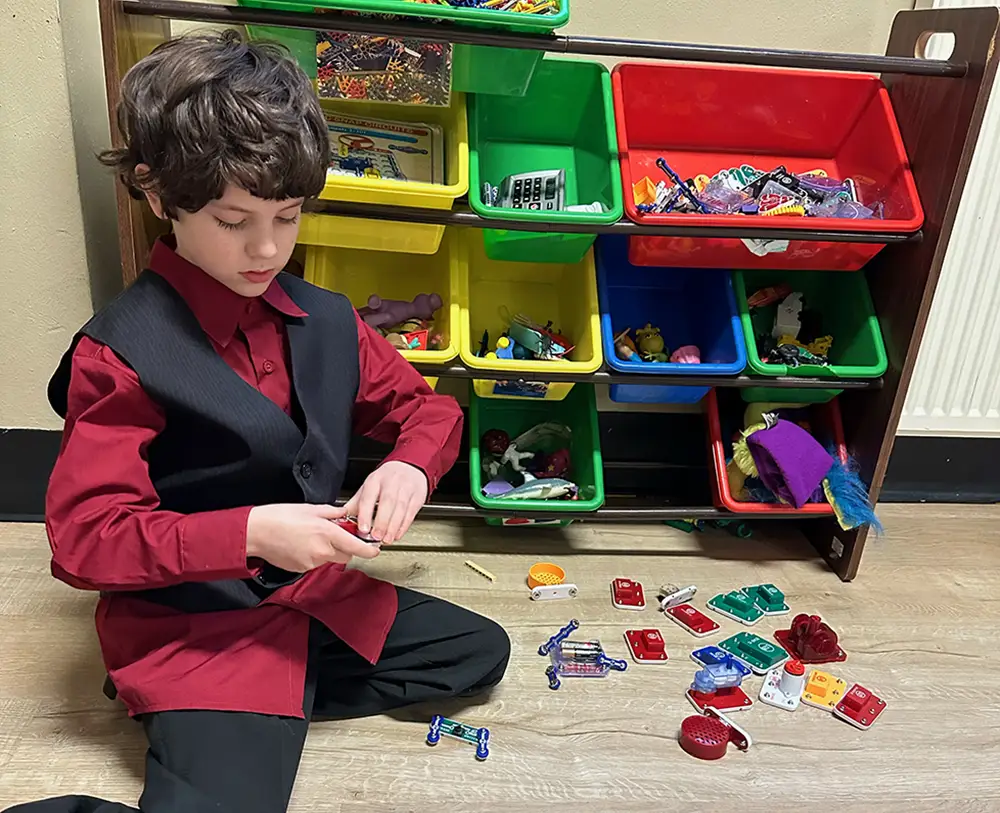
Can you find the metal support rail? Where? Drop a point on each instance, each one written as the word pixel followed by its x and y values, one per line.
pixel 466 217
pixel 612 513
pixel 605 375
pixel 556 43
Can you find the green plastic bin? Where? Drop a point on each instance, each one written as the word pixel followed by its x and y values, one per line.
pixel 565 121
pixel 475 68
pixel 578 411
pixel 849 317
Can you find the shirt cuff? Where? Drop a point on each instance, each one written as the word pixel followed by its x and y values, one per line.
pixel 426 459
pixel 214 544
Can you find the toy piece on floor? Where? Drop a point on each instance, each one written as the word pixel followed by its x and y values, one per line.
pixel 646 646
pixel 708 735
pixel 859 707
pixel 386 312
pixel 482 571
pixel 736 605
pixel 768 599
pixel 671 595
pixel 712 655
pixel 579 659
pixel 627 595
pixel 479 737
pixel 718 686
pixel 823 690
pixel 733 526
pixel 783 686
pixel 545 573
pixel 548 592
pixel 760 655
pixel 559 637
pixel 811 640
pixel 692 619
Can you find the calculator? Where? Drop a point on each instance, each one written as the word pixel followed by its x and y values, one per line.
pixel 536 191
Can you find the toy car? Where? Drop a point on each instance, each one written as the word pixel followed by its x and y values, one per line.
pixel 479 737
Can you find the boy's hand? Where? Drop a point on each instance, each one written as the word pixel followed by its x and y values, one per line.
pixel 400 490
pixel 301 537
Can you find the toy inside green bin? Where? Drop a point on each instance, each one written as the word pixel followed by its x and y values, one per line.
pixel 564 122
pixel 475 68
pixel 578 411
pixel 845 312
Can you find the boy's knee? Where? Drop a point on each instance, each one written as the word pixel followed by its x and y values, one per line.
pixel 494 641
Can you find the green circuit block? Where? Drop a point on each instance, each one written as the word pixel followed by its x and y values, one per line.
pixel 754 651
pixel 736 604
pixel 767 598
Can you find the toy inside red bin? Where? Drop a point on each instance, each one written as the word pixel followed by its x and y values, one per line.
pixel 811 641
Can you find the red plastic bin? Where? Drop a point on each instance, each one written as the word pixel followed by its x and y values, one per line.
pixel 702 119
pixel 827 427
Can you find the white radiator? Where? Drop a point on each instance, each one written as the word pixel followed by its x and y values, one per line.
pixel 956 384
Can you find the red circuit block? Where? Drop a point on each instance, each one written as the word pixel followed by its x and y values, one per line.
pixel 693 620
pixel 627 595
pixel 859 707
pixel 811 641
pixel 646 646
pixel 732 698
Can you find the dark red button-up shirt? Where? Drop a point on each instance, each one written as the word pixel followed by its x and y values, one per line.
pixel 108 532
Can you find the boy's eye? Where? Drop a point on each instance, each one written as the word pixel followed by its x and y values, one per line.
pixel 288 220
pixel 227 225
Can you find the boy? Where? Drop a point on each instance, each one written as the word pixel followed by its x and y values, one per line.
pixel 208 414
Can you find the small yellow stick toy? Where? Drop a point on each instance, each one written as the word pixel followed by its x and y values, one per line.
pixel 482 571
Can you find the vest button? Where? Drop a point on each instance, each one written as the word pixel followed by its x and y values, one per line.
pixel 306 470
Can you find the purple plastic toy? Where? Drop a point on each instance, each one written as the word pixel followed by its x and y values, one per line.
pixel 388 312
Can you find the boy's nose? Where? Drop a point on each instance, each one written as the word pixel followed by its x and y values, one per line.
pixel 263 247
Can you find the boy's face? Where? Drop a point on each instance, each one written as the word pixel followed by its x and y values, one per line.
pixel 240 240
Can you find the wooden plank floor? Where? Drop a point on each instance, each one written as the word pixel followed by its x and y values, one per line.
pixel 920 624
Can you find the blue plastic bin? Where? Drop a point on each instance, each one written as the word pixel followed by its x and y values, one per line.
pixel 689 306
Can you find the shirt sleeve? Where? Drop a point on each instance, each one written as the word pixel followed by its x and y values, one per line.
pixel 395 405
pixel 103 516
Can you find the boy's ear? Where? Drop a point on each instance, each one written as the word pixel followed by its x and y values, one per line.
pixel 152 197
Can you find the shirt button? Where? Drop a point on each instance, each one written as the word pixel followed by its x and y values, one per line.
pixel 268 367
pixel 306 470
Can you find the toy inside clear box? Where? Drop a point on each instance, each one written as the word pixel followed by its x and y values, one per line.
pixel 580 659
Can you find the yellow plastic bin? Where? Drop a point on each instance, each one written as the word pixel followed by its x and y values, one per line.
pixel 495 290
pixel 358 274
pixel 380 235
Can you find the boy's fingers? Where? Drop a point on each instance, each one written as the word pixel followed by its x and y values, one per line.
pixel 364 510
pixel 386 506
pixel 331 511
pixel 397 524
pixel 349 544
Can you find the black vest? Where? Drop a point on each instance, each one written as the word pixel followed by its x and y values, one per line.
pixel 225 445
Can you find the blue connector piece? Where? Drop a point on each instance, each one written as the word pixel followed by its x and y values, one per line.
pixel 559 637
pixel 479 737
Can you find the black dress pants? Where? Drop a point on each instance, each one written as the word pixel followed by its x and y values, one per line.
pixel 231 762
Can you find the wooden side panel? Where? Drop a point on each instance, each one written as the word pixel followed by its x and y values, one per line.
pixel 940 121
pixel 125 40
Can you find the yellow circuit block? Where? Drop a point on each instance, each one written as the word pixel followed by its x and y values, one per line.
pixel 823 690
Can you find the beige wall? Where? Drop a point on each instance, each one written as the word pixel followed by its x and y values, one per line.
pixel 57 256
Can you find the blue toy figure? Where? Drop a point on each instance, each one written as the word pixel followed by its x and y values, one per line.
pixel 479 737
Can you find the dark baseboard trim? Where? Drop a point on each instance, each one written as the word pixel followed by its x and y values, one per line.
pixel 922 469
pixel 935 469
pixel 26 458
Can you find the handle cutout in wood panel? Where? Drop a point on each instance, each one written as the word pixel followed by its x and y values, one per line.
pixel 935 45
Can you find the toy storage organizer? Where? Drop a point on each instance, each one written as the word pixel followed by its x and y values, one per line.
pixel 868 117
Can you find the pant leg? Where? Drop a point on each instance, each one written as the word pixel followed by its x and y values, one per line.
pixel 435 650
pixel 201 761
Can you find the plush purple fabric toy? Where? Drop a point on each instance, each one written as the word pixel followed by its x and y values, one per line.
pixel 388 312
pixel 790 461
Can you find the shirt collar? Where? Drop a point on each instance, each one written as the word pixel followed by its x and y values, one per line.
pixel 217 308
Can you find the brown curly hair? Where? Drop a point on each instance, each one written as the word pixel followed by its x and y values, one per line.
pixel 210 110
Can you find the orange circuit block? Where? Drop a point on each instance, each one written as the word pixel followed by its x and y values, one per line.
pixel 823 690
